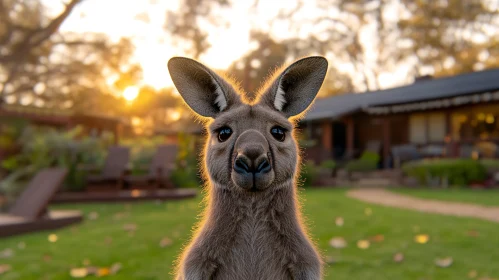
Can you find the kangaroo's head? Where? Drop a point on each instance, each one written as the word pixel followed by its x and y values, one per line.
pixel 250 146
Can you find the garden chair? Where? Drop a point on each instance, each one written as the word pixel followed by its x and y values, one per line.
pixel 159 170
pixel 29 212
pixel 404 153
pixel 113 171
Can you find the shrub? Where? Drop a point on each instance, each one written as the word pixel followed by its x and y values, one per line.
pixel 492 165
pixel 458 172
pixel 308 173
pixel 367 162
pixel 41 148
pixel 328 164
pixel 186 171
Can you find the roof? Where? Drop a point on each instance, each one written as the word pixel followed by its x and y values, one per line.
pixel 425 90
pixel 58 117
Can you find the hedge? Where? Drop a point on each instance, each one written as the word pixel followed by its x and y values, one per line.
pixel 458 172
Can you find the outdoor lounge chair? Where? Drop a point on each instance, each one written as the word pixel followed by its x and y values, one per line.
pixel 29 212
pixel 113 172
pixel 404 153
pixel 159 170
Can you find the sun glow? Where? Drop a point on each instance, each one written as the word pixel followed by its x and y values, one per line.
pixel 130 93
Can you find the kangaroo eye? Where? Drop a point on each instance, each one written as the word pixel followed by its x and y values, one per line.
pixel 224 133
pixel 278 132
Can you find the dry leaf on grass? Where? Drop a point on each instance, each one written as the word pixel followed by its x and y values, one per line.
pixel 337 242
pixel 339 221
pixel 93 216
pixel 108 240
pixel 422 238
pixel 4 268
pixel 330 260
pixel 368 211
pixel 103 271
pixel 398 257
pixel 130 227
pixel 164 242
pixel 80 272
pixel 47 257
pixel 472 274
pixel 473 233
pixel 7 253
pixel 115 268
pixel 53 238
pixel 363 244
pixel 377 238
pixel 444 262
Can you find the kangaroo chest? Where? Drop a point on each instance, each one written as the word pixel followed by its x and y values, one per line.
pixel 258 251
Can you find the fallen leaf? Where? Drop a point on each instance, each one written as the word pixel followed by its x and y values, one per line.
pixel 47 257
pixel 164 242
pixel 4 268
pixel 7 253
pixel 330 260
pixel 78 272
pixel 103 271
pixel 473 233
pixel 363 244
pixel 472 274
pixel 130 227
pixel 368 211
pixel 108 240
pixel 444 262
pixel 119 215
pixel 92 270
pixel 422 238
pixel 53 238
pixel 86 262
pixel 377 238
pixel 21 245
pixel 115 268
pixel 339 221
pixel 337 242
pixel 398 257
pixel 93 215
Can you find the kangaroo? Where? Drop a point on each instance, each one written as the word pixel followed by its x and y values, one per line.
pixel 251 228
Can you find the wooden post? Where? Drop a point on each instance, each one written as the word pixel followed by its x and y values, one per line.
pixel 350 135
pixel 327 135
pixel 117 130
pixel 386 142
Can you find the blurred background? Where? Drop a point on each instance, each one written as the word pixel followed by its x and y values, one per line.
pixel 84 87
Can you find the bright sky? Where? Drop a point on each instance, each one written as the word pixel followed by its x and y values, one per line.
pixel 118 18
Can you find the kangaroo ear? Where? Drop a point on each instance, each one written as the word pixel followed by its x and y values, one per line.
pixel 202 89
pixel 296 87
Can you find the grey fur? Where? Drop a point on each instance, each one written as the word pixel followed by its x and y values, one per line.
pixel 251 228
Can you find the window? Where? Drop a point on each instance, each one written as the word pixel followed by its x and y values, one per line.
pixel 417 129
pixel 424 128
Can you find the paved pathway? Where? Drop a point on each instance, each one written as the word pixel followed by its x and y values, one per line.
pixel 387 198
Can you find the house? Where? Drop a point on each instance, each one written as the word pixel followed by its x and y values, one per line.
pixel 460 114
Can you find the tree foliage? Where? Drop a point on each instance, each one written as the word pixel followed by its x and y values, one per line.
pixel 42 66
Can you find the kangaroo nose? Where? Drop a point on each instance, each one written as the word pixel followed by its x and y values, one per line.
pixel 249 163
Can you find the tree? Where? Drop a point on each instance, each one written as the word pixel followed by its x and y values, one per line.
pixel 254 68
pixel 436 37
pixel 185 24
pixel 44 67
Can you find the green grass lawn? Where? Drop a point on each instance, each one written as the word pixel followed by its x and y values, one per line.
pixel 104 241
pixel 483 197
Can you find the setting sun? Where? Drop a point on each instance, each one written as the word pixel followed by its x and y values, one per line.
pixel 130 93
